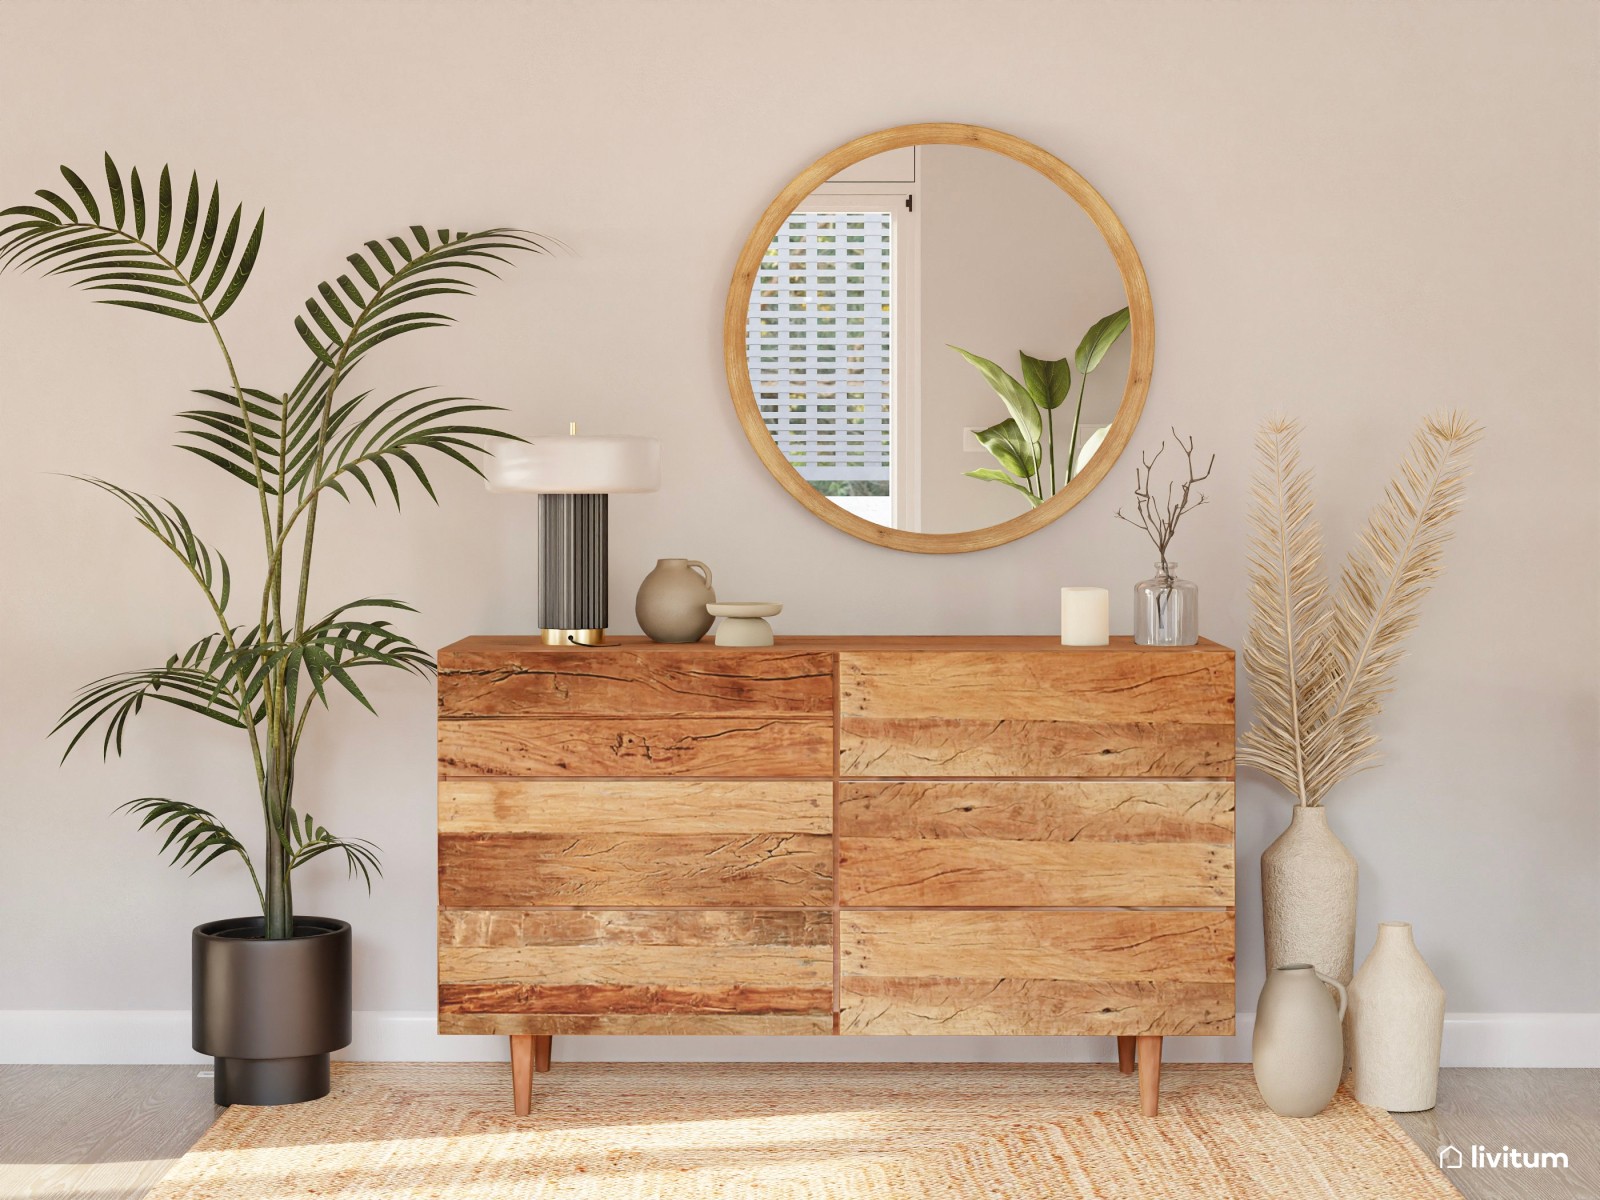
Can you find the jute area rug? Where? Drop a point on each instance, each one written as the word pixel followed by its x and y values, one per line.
pixel 787 1132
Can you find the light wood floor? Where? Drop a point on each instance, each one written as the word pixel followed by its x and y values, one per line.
pixel 96 1133
pixel 109 1133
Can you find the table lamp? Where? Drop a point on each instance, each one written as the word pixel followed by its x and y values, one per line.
pixel 574 477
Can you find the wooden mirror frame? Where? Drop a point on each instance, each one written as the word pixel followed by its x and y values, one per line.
pixel 1141 327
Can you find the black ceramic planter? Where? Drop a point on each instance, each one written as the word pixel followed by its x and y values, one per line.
pixel 270 1012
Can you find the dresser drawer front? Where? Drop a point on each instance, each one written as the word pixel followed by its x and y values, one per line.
pixel 1036 844
pixel 532 747
pixel 1036 972
pixel 649 807
pixel 1110 714
pixel 618 971
pixel 652 681
pixel 493 870
pixel 626 842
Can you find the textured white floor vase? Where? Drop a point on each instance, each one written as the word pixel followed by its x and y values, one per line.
pixel 1396 1025
pixel 1308 896
pixel 808 1132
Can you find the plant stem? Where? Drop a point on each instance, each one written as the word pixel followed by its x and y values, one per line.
pixel 1077 416
pixel 1052 427
pixel 279 906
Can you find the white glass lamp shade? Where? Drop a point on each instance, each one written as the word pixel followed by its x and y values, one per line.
pixel 576 465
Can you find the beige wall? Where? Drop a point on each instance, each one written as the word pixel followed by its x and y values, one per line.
pixel 1348 212
pixel 1009 262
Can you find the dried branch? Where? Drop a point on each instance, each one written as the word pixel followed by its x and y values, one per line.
pixel 1159 518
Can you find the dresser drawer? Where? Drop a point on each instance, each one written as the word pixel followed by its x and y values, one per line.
pixel 508 681
pixel 1112 713
pixel 532 747
pixel 1138 843
pixel 635 971
pixel 635 842
pixel 635 806
pixel 1153 973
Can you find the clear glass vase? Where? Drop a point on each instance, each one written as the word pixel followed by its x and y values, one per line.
pixel 1166 609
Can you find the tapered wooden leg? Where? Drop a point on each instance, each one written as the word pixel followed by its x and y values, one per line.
pixel 522 1073
pixel 541 1053
pixel 1149 1051
pixel 1125 1055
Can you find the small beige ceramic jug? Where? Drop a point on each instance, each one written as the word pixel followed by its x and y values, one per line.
pixel 1298 1048
pixel 671 606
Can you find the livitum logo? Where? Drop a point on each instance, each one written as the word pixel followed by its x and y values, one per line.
pixel 1452 1158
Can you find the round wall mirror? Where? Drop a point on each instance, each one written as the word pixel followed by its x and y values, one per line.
pixel 938 338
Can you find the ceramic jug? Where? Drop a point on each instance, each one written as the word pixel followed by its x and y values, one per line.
pixel 671 606
pixel 1298 1048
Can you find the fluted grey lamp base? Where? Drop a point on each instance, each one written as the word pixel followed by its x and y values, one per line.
pixel 573 550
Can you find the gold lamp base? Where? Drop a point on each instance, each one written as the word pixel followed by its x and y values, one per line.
pixel 573 637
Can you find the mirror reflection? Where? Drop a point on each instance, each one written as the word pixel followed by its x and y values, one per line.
pixel 936 338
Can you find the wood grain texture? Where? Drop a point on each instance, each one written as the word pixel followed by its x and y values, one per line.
pixel 639 999
pixel 1188 946
pixel 696 1024
pixel 635 963
pixel 675 947
pixel 757 869
pixel 1121 714
pixel 531 747
pixel 1148 1052
pixel 597 928
pixel 696 680
pixel 1034 874
pixel 99 1132
pixel 1141 332
pixel 521 1074
pixel 945 748
pixel 1105 973
pixel 651 806
pixel 1033 844
pixel 1192 687
pixel 1124 810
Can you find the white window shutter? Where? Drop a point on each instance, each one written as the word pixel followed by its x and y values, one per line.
pixel 818 342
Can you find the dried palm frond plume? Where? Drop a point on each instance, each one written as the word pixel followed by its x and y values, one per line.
pixel 1286 646
pixel 1319 670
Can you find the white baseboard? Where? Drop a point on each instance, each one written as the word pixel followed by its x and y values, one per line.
pixel 162 1036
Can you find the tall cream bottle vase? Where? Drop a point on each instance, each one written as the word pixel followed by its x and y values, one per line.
pixel 1396 1025
pixel 1308 896
pixel 1297 1051
pixel 671 606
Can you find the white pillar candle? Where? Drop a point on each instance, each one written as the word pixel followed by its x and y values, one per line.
pixel 1085 616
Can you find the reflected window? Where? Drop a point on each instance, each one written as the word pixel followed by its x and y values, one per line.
pixel 821 342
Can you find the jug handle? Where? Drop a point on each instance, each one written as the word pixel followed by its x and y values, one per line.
pixel 704 570
pixel 1344 997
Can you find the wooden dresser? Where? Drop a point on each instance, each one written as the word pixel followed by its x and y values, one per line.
pixel 940 835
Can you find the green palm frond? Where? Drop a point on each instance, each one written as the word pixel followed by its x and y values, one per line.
pixel 284 430
pixel 201 679
pixel 155 261
pixel 393 282
pixel 392 433
pixel 331 651
pixel 311 840
pixel 195 837
pixel 166 521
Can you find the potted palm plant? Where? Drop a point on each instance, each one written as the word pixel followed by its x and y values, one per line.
pixel 271 992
